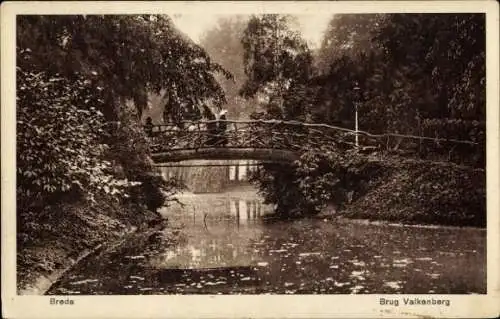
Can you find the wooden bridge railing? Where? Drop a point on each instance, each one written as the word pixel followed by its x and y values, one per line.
pixel 289 136
pixel 257 134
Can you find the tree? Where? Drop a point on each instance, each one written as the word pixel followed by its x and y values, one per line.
pixel 59 142
pixel 129 56
pixel 110 63
pixel 278 64
pixel 223 43
pixel 348 35
pixel 417 74
pixel 275 58
pixel 414 70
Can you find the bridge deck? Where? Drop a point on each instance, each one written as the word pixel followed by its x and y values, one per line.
pixel 271 140
pixel 226 153
pixel 275 141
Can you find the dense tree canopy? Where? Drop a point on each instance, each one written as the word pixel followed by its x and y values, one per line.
pixel 128 55
pixel 415 74
pixel 419 74
pixel 223 43
pixel 83 82
pixel 276 60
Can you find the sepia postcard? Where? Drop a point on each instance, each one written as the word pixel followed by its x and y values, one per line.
pixel 250 159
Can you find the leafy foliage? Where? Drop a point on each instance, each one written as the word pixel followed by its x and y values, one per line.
pixel 59 140
pixel 110 63
pixel 130 55
pixel 425 192
pixel 417 74
pixel 275 59
pixel 412 69
pixel 223 43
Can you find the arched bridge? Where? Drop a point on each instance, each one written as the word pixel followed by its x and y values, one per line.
pixel 261 140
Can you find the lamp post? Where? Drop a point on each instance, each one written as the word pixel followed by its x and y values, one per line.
pixel 356 90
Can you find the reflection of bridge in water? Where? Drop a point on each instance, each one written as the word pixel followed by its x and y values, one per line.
pixel 209 176
pixel 235 171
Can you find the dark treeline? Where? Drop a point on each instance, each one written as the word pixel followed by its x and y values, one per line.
pixel 82 85
pixel 410 74
pixel 84 82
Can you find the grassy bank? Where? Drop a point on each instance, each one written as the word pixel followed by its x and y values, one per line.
pixel 419 192
pixel 60 235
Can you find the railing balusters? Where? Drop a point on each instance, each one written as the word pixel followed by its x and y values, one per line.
pixel 236 135
pixel 274 134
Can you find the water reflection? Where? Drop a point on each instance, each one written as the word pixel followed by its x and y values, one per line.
pixel 226 248
pixel 245 210
pixel 218 231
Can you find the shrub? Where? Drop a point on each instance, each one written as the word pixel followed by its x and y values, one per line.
pixel 320 176
pixel 59 133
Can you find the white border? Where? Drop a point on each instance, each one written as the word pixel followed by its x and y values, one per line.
pixel 197 306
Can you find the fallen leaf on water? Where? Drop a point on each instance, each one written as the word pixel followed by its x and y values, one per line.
pixel 278 250
pixel 357 263
pixel 393 284
pixel 309 254
pixel 85 281
pixel 137 277
pixel 423 258
pixel 402 261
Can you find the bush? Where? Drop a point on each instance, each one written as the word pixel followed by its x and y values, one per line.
pixel 425 192
pixel 59 133
pixel 320 176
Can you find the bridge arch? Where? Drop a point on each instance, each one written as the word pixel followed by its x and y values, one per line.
pixel 226 153
pixel 260 140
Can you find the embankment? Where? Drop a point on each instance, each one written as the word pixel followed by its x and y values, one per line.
pixel 419 192
pixel 54 240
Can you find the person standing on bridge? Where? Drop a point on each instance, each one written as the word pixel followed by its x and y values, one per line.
pixel 221 128
pixel 211 126
pixel 148 127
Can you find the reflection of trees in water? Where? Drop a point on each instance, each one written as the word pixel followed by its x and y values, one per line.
pixel 244 210
pixel 214 226
pixel 212 178
pixel 206 208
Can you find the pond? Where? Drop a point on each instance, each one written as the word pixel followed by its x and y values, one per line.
pixel 228 246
